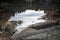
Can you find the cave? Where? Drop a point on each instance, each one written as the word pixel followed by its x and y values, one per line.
pixel 11 8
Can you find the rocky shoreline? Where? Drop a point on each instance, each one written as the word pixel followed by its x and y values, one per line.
pixel 50 33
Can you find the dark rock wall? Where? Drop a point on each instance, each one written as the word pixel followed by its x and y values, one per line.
pixel 15 5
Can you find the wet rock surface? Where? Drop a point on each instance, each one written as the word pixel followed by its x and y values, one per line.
pixel 51 33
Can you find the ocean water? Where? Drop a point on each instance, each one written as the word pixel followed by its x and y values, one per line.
pixel 29 17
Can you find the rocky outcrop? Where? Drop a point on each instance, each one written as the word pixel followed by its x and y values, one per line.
pixel 50 33
pixel 7 31
pixel 44 25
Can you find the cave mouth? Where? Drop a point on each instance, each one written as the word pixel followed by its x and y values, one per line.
pixel 25 19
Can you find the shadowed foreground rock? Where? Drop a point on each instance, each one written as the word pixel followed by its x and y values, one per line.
pixel 6 33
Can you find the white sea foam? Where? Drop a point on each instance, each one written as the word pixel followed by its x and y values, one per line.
pixel 28 17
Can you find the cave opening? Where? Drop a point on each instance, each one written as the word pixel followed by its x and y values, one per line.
pixel 15 15
pixel 27 18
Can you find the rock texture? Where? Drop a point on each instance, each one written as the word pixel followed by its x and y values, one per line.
pixel 51 33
